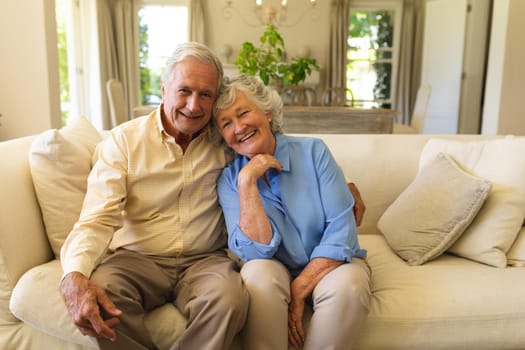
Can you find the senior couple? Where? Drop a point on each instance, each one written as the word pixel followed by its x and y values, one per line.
pixel 152 231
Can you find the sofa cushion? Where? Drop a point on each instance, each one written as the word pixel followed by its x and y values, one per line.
pixel 50 315
pixel 60 161
pixel 37 301
pixel 447 303
pixel 496 226
pixel 433 211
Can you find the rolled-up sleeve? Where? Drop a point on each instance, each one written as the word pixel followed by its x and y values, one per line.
pixel 244 247
pixel 247 249
pixel 339 238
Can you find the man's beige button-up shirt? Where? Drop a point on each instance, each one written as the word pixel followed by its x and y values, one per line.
pixel 145 195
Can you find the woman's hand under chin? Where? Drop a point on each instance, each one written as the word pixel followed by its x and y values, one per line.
pixel 257 167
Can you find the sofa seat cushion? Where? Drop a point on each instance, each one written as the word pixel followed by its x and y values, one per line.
pixel 447 303
pixel 37 301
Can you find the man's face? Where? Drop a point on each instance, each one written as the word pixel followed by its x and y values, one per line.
pixel 188 97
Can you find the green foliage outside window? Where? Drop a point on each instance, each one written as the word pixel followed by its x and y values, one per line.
pixel 149 78
pixel 63 71
pixel 145 72
pixel 377 28
pixel 385 34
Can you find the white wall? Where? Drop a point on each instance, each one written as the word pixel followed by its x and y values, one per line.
pixel 29 85
pixel 505 84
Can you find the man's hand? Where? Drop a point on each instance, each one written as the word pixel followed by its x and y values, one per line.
pixel 359 205
pixel 83 300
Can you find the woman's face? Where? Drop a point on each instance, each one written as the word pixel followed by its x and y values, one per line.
pixel 246 128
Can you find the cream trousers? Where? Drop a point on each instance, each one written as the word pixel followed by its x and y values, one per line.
pixel 340 303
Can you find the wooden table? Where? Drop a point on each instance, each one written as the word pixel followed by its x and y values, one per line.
pixel 337 120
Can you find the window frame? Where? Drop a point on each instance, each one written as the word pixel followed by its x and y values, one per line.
pixel 385 5
pixel 137 4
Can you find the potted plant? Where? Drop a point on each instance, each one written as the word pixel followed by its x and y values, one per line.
pixel 267 61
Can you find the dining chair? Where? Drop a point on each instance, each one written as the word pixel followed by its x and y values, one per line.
pixel 417 121
pixel 334 96
pixel 299 96
pixel 117 104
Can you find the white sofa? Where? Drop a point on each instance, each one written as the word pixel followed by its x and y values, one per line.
pixel 447 303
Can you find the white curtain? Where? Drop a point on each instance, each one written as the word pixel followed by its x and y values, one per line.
pixel 336 68
pixel 117 52
pixel 86 72
pixel 410 57
pixel 198 22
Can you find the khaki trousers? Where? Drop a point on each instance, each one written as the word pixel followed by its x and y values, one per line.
pixel 340 303
pixel 207 289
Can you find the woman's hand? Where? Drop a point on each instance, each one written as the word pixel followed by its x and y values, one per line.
pixel 302 286
pixel 296 335
pixel 258 166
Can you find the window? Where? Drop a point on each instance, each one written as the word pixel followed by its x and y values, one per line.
pixel 62 9
pixel 373 50
pixel 162 26
pixel 74 28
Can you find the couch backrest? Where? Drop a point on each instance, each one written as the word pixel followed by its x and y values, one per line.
pixel 23 241
pixel 381 166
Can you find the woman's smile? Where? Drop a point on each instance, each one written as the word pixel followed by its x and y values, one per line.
pixel 247 137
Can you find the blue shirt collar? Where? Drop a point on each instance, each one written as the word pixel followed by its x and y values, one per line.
pixel 282 151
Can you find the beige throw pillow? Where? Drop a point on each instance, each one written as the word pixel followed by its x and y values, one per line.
pixel 433 211
pixel 60 161
pixel 500 161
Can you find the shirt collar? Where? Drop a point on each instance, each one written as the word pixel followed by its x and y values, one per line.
pixel 282 151
pixel 162 132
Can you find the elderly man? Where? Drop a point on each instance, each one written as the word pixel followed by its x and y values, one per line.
pixel 151 230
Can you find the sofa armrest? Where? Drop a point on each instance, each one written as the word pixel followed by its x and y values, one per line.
pixel 23 241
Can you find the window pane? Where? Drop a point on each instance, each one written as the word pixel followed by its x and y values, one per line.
pixel 61 7
pixel 161 28
pixel 370 54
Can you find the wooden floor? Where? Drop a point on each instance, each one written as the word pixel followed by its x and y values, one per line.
pixel 337 120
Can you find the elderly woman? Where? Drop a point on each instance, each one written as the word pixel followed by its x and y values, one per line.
pixel 288 212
